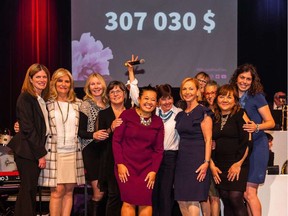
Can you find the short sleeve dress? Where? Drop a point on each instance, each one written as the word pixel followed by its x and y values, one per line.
pixel 231 144
pixel 260 152
pixel 140 149
pixel 191 155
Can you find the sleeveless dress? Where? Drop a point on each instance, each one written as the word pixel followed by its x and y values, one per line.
pixel 231 144
pixel 191 155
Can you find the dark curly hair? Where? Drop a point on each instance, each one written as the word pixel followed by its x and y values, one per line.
pixel 256 86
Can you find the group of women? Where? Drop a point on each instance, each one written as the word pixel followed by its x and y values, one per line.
pixel 240 156
pixel 47 143
pixel 156 155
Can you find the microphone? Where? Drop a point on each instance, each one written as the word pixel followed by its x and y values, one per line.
pixel 141 61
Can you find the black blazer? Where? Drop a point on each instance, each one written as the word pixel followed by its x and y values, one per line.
pixel 106 168
pixel 29 142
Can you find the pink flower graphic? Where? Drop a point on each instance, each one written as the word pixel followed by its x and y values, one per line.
pixel 88 56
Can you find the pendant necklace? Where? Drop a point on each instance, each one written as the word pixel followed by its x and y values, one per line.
pixel 64 120
pixel 223 121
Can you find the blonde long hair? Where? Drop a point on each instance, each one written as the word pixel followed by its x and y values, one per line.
pixel 56 75
pixel 88 94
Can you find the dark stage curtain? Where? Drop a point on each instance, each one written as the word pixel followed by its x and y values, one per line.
pixel 32 31
pixel 262 41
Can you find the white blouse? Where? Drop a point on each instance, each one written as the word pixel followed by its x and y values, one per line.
pixel 65 125
pixel 45 113
pixel 171 136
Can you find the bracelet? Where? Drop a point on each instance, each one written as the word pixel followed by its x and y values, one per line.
pixel 257 128
pixel 207 161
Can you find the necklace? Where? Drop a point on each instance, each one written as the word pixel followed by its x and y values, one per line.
pixel 223 121
pixel 190 110
pixel 143 121
pixel 64 120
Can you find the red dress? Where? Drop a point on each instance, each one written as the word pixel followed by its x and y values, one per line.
pixel 140 149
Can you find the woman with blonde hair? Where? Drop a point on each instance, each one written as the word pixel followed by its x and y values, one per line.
pixel 194 125
pixel 63 146
pixel 95 99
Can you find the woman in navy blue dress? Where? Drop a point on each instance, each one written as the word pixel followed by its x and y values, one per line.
pixel 250 90
pixel 194 125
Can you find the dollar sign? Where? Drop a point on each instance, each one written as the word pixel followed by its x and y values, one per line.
pixel 209 21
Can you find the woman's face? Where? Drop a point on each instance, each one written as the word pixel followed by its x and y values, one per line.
pixel 63 85
pixel 95 86
pixel 116 95
pixel 244 81
pixel 166 103
pixel 202 82
pixel 148 101
pixel 226 103
pixel 39 81
pixel 189 91
pixel 210 94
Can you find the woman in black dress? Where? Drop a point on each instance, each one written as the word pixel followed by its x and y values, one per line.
pixel 108 119
pixel 230 163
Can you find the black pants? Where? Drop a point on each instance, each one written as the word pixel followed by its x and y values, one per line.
pixel 29 173
pixel 114 203
pixel 163 192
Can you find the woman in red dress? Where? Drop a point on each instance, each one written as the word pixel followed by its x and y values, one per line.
pixel 138 150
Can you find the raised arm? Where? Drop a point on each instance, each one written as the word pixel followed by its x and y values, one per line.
pixel 132 83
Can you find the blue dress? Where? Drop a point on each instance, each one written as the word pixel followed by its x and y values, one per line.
pixel 260 152
pixel 191 155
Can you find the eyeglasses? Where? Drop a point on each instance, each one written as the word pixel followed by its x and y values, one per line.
pixel 202 81
pixel 210 93
pixel 115 92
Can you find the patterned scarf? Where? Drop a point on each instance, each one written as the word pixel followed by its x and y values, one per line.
pixel 165 117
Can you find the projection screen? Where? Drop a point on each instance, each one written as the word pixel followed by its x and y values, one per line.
pixel 176 38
